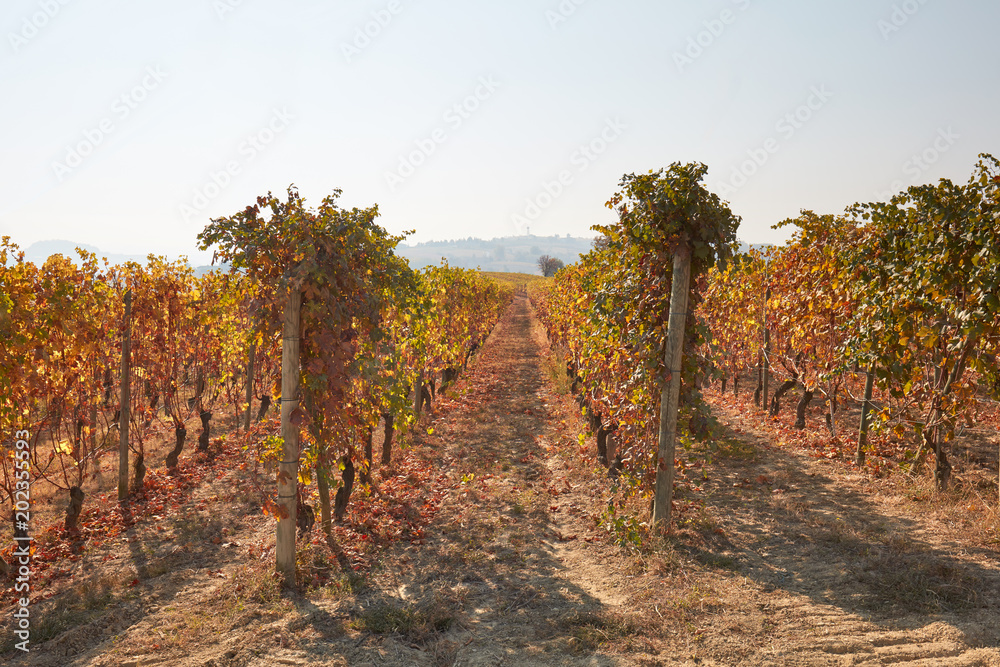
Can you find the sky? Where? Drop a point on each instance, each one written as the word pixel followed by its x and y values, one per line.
pixel 130 125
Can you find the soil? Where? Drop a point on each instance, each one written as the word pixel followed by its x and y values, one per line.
pixel 780 558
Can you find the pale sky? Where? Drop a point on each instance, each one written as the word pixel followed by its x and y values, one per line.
pixel 129 125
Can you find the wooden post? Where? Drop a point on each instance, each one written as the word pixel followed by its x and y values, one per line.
pixel 126 398
pixel 250 362
pixel 288 469
pixel 673 358
pixel 767 352
pixel 866 407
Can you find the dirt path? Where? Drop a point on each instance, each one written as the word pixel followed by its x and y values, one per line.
pixel 838 571
pixel 783 561
pixel 509 566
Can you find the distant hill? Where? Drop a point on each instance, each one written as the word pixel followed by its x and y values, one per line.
pixel 512 254
pixel 515 254
pixel 745 247
pixel 40 251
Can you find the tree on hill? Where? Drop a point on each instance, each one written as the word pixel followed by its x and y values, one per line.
pixel 549 265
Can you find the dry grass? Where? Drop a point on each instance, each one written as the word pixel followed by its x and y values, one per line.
pixel 249 594
pixel 588 632
pixel 77 606
pixel 903 577
pixel 417 623
pixel 253 583
pixel 515 280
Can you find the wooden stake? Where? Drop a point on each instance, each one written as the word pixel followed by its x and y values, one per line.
pixel 288 469
pixel 126 398
pixel 859 458
pixel 670 397
pixel 767 355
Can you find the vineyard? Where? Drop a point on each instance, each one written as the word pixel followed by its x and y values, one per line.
pixel 375 335
pixel 610 466
pixel 891 305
